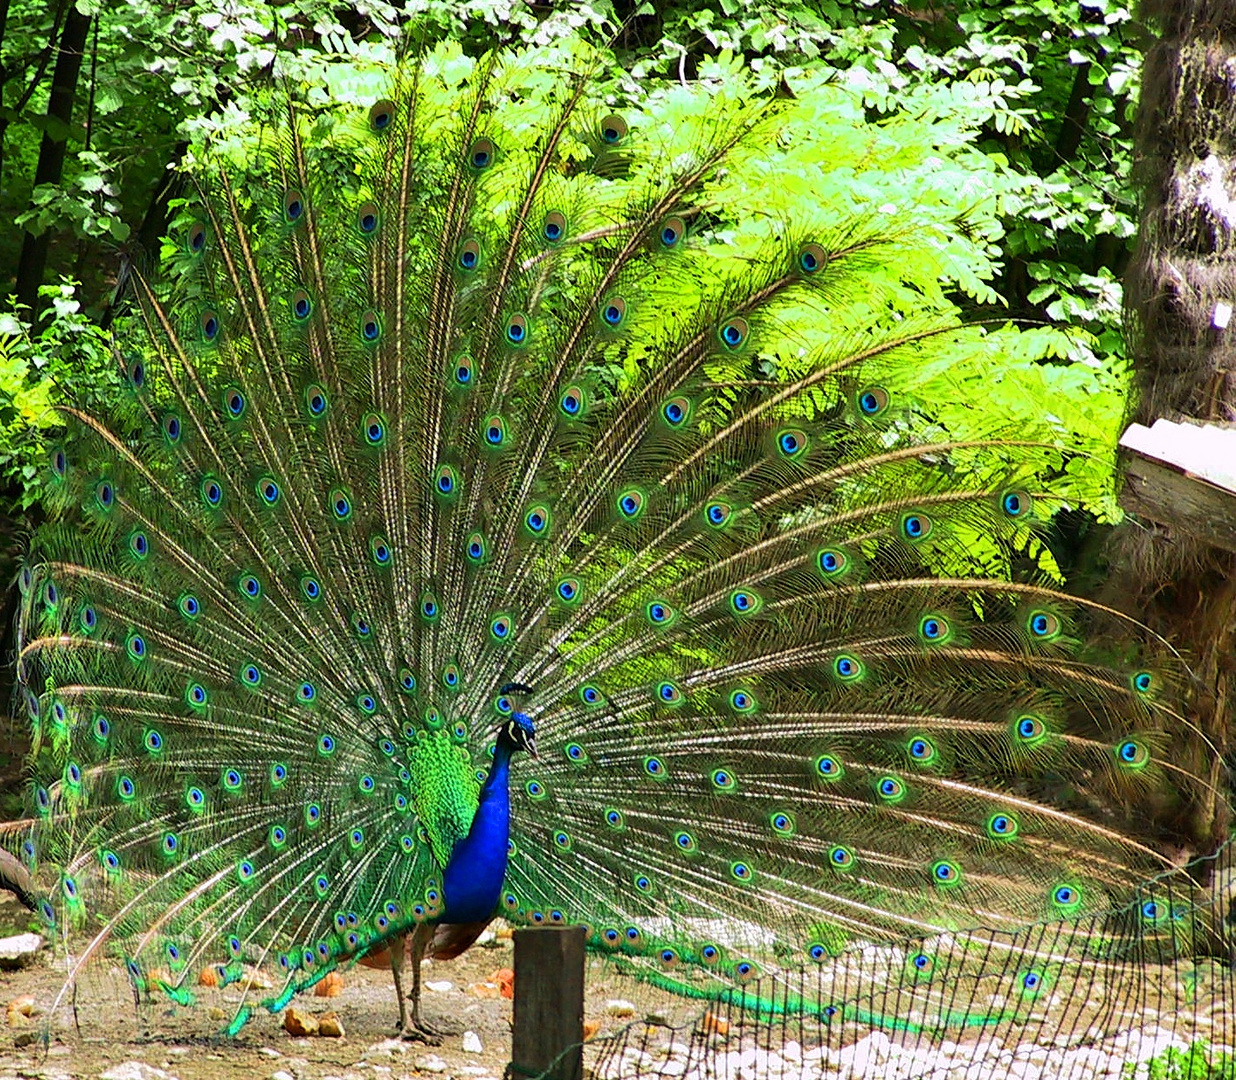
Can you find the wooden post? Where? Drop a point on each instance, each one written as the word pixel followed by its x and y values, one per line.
pixel 549 1004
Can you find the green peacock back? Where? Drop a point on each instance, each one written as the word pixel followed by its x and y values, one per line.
pixel 508 376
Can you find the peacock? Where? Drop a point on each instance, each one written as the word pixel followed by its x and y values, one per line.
pixel 513 510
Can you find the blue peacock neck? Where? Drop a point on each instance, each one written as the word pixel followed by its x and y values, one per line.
pixel 472 880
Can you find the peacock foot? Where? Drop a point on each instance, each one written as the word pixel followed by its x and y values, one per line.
pixel 420 1031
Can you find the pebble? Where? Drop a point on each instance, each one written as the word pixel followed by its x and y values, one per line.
pixel 270 1052
pixel 440 987
pixel 472 1043
pixel 876 1056
pixel 135 1070
pixel 429 1063
pixel 19 950
pixel 281 1074
pixel 387 1048
pixel 618 1007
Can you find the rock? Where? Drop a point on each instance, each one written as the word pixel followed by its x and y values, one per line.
pixel 257 980
pixel 296 1022
pixel 485 990
pixel 472 1070
pixel 504 978
pixel 487 938
pixel 24 1006
pixel 387 1048
pixel 472 1043
pixel 281 1074
pixel 331 986
pixel 618 1007
pixel 19 951
pixel 330 1026
pixel 440 987
pixel 270 1052
pixel 429 1063
pixel 27 1038
pixel 135 1070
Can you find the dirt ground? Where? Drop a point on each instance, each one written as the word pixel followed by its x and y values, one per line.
pixel 115 1039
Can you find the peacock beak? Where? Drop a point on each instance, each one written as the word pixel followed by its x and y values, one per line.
pixel 530 746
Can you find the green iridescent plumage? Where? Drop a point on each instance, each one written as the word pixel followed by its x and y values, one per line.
pixel 507 377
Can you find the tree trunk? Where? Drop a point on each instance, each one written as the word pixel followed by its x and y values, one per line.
pixel 1185 367
pixel 50 167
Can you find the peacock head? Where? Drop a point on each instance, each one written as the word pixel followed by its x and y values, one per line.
pixel 519 731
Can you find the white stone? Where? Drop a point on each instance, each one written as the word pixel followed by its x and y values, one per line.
pixel 266 1051
pixel 472 1070
pixel 430 1063
pixel 618 1007
pixel 672 1068
pixel 472 1043
pixel 281 1074
pixel 440 987
pixel 19 950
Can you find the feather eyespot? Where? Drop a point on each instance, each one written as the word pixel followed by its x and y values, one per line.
pixel 517 330
pixel 873 401
pixel 613 130
pixel 1016 504
pixel 381 115
pixel 743 701
pixel 316 401
pixel 671 232
pixel 734 332
pixel 554 227
pixel 469 255
pixel 915 526
pixel 368 218
pixel 536 520
pixel 945 874
pixel 791 444
pixel 676 412
pixel 613 312
pixel 1132 755
pixel 293 206
pixel 1044 626
pixel 811 258
pixel 481 154
pixel 1002 826
pixel 494 432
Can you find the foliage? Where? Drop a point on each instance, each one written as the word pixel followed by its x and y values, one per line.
pixel 1199 1062
pixel 69 359
pixel 1007 79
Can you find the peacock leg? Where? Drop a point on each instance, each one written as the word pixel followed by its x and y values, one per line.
pixel 398 945
pixel 419 1029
